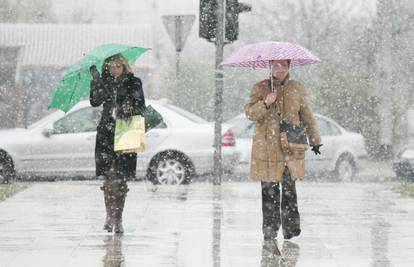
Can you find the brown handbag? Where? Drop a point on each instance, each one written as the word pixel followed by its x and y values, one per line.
pixel 293 138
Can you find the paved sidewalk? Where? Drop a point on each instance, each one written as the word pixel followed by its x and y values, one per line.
pixel 343 224
pixel 376 171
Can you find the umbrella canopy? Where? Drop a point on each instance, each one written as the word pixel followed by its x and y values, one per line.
pixel 74 86
pixel 258 55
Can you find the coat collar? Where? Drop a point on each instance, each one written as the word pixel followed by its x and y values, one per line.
pixel 277 83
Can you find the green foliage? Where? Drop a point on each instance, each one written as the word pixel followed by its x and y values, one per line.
pixel 7 190
pixel 405 189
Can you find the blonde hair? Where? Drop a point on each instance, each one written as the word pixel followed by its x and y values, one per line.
pixel 117 59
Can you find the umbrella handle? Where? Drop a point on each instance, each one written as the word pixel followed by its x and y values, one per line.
pixel 271 77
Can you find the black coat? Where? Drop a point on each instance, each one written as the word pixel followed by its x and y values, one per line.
pixel 123 98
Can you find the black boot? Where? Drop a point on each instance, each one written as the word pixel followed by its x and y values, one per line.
pixel 270 210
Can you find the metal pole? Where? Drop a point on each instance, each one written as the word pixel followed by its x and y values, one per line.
pixel 217 218
pixel 177 65
pixel 22 95
pixel 218 103
pixel 178 46
pixel 384 78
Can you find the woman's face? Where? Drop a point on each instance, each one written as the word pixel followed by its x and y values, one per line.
pixel 280 68
pixel 115 69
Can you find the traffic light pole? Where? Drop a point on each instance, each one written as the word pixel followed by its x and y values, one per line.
pixel 218 103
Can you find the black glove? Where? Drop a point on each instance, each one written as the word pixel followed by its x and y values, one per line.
pixel 94 72
pixel 315 148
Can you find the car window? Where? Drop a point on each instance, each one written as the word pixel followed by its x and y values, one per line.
pixel 334 129
pixel 250 130
pixel 243 128
pixel 324 127
pixel 83 120
pixel 237 120
pixel 150 116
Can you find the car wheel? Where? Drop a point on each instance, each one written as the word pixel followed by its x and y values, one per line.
pixel 7 174
pixel 170 168
pixel 345 169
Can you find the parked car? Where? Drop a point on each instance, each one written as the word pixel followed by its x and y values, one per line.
pixel 403 164
pixel 343 152
pixel 63 145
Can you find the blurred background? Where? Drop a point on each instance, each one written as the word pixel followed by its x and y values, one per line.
pixel 364 82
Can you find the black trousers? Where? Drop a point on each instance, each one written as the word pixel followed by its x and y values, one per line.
pixel 280 210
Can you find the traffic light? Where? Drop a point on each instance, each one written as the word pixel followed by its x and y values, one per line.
pixel 208 19
pixel 233 8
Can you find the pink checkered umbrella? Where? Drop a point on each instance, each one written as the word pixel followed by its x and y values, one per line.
pixel 258 55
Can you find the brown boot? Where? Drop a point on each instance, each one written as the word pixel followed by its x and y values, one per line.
pixel 109 213
pixel 109 199
pixel 119 207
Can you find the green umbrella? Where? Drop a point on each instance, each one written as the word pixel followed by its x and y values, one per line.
pixel 74 86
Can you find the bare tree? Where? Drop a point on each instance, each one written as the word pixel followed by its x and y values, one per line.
pixel 394 33
pixel 311 23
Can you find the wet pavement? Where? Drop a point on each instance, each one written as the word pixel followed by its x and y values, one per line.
pixel 343 224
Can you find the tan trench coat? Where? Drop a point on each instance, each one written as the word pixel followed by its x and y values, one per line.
pixel 268 161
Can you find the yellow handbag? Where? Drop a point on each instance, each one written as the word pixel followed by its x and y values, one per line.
pixel 130 135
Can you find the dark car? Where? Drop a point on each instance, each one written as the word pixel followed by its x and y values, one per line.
pixel 404 163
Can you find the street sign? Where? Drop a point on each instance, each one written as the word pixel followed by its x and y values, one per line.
pixel 178 28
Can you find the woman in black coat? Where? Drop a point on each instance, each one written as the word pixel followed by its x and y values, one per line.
pixel 121 95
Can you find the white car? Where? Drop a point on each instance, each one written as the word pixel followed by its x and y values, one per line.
pixel 342 154
pixel 63 145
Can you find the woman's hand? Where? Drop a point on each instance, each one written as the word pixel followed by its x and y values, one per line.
pixel 270 98
pixel 315 149
pixel 94 72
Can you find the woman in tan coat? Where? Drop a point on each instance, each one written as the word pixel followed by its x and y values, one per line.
pixel 270 165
